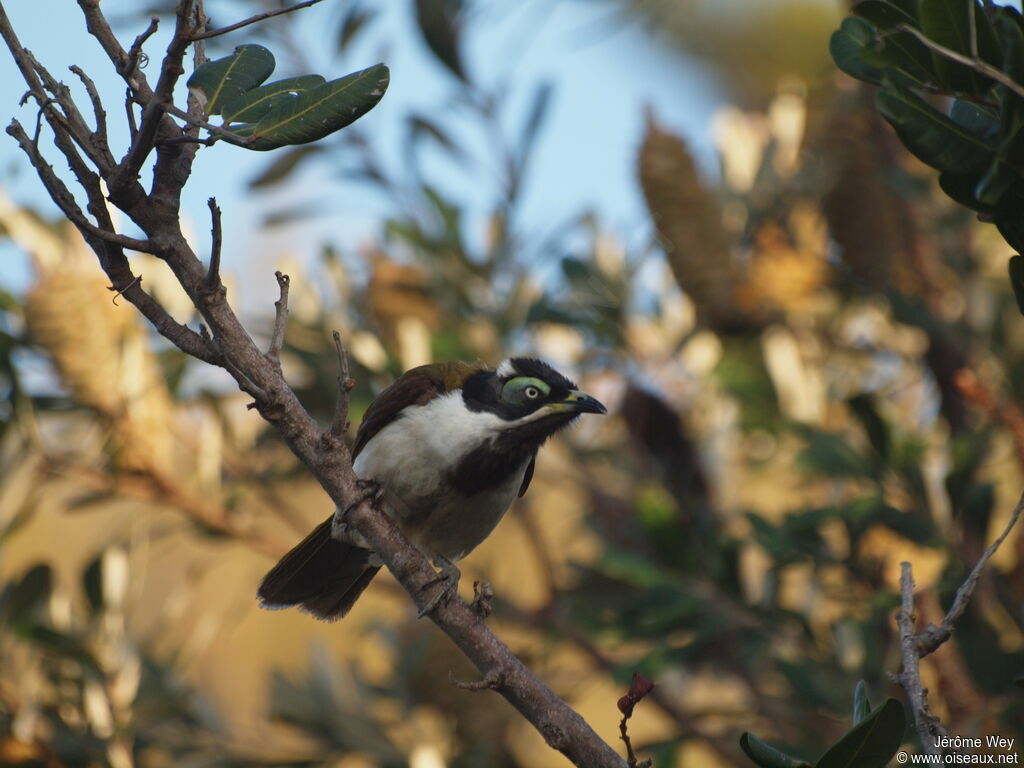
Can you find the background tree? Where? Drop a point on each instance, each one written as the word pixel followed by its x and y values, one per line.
pixel 810 388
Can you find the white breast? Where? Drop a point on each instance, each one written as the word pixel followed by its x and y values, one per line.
pixel 411 454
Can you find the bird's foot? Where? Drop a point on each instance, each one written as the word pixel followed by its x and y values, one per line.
pixel 369 490
pixel 448 581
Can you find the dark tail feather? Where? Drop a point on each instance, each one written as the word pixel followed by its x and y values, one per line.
pixel 321 575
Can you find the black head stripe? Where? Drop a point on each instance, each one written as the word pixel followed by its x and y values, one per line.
pixel 538 369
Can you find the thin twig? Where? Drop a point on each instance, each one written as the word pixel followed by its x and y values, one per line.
pixel 339 424
pixel 631 758
pixel 932 637
pixel 639 688
pixel 280 320
pixel 136 57
pixel 252 20
pixel 100 134
pixel 219 132
pixel 129 108
pixel 199 46
pixel 213 274
pixel 492 681
pixel 156 105
pixel 974 63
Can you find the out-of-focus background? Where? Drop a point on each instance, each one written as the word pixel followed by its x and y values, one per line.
pixel 811 357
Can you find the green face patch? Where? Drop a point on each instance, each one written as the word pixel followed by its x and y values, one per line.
pixel 525 391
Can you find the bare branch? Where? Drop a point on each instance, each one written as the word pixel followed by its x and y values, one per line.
pixel 978 65
pixel 65 200
pixel 280 320
pixel 213 274
pixel 252 20
pixel 114 263
pixel 929 729
pixel 339 424
pixel 916 646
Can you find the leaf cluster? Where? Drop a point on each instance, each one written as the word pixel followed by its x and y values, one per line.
pixel 871 742
pixel 296 110
pixel 973 54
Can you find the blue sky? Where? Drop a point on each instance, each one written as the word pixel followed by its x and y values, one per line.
pixel 603 72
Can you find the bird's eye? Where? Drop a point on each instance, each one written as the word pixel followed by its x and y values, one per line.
pixel 532 393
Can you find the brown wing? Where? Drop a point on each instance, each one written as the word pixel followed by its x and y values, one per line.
pixel 528 476
pixel 417 386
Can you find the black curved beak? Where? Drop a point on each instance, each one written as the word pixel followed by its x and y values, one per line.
pixel 580 402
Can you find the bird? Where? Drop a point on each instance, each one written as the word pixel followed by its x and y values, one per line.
pixel 446 449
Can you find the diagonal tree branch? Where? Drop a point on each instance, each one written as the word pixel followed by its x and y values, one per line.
pixel 229 345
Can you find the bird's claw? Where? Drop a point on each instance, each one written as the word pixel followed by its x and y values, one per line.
pixel 448 581
pixel 369 490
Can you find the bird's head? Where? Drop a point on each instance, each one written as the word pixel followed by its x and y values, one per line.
pixel 533 398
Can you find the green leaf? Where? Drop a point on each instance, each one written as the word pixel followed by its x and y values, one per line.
pixel 975 118
pixel 1017 279
pixel 847 45
pixel 216 83
pixel 92 583
pixel 883 15
pixel 284 164
pixel 863 408
pixel 997 180
pixel 19 600
pixel 831 455
pixel 872 742
pixel 901 52
pixel 932 136
pixel 767 756
pixel 861 705
pixel 946 22
pixel 252 105
pixel 319 112
pixel 440 26
pixel 960 187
